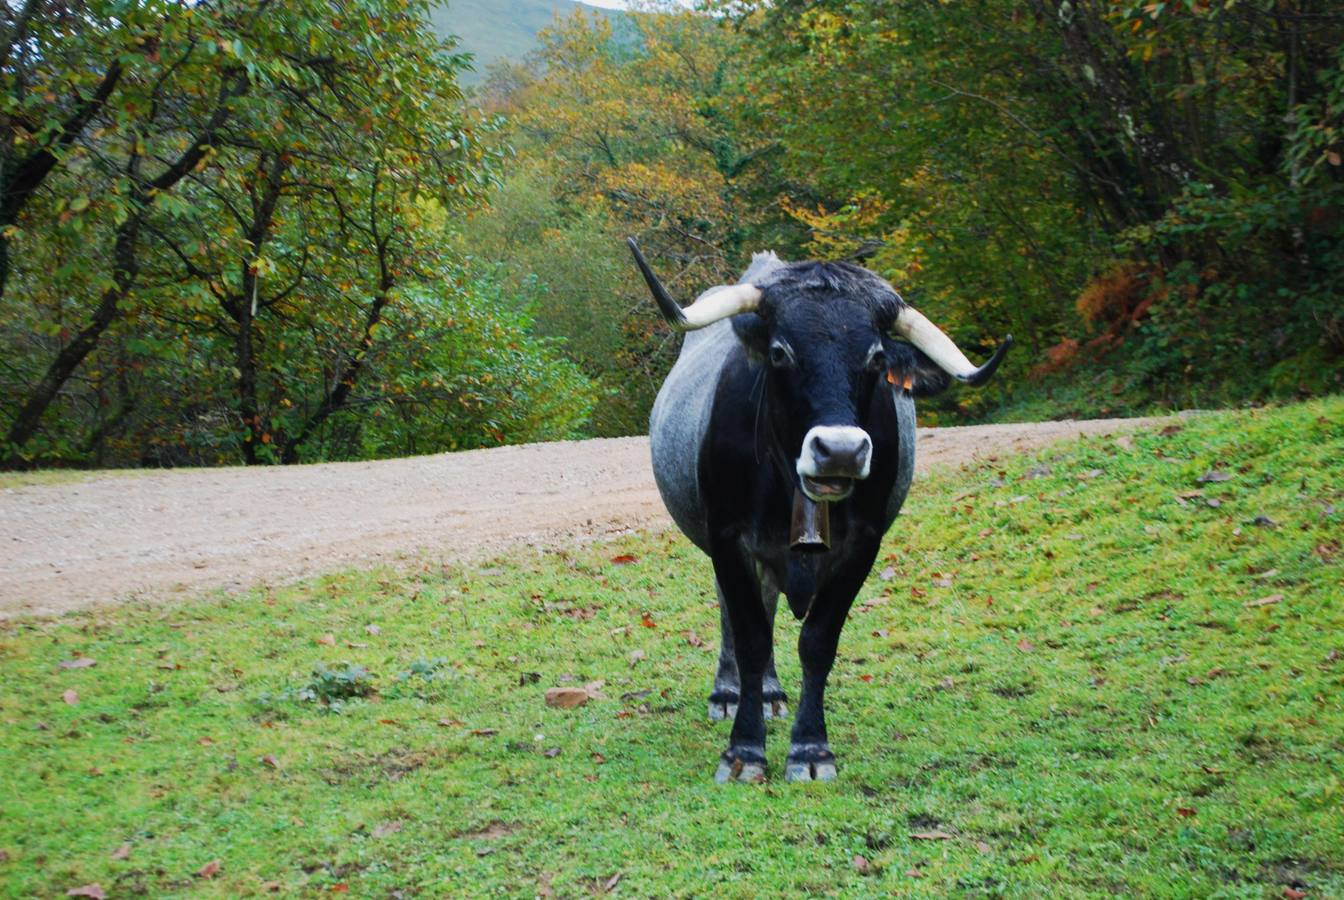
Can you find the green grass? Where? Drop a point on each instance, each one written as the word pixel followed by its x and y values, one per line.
pixel 1061 671
pixel 42 477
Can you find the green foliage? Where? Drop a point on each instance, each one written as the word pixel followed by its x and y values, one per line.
pixel 1075 669
pixel 241 249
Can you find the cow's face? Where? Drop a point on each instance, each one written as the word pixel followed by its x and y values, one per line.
pixel 819 335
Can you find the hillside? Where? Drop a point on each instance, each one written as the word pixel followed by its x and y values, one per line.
pixel 495 30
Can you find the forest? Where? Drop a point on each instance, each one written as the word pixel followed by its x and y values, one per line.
pixel 282 231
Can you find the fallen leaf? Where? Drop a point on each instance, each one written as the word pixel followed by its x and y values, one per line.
pixel 271 886
pixel 1185 812
pixel 983 847
pixel 340 887
pixel 635 657
pixel 87 890
pixel 1091 473
pixel 1263 601
pixel 1293 893
pixel 271 761
pixel 931 836
pixel 122 852
pixel 383 829
pixel 946 683
pixel 551 752
pixel 694 639
pixel 1170 430
pixel 914 873
pixel 1125 442
pixel 611 882
pixel 210 869
pixel 887 574
pixel 566 697
pixel 449 723
pixel 1264 522
pixel 647 620
pixel 865 678
pixel 624 559
pixel 484 732
pixel 79 662
pixel 1025 645
pixel 861 865
pixel 328 640
pixel 373 629
pixel 71 697
pixel 1214 475
pixel 599 758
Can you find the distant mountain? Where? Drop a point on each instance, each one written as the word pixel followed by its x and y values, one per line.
pixel 501 29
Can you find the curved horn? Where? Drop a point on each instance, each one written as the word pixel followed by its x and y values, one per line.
pixel 915 327
pixel 711 306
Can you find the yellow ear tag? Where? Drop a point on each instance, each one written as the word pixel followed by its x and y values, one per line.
pixel 891 377
pixel 909 383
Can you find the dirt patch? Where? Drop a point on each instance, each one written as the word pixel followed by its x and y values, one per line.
pixel 168 534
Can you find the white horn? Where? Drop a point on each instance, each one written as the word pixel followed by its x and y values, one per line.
pixel 711 306
pixel 720 303
pixel 915 327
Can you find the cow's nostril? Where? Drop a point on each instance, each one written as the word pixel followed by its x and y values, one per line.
pixel 820 450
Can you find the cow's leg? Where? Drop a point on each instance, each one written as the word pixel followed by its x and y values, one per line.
pixel 723 698
pixel 810 757
pixel 744 760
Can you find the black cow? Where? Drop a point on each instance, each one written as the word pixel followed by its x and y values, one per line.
pixel 791 402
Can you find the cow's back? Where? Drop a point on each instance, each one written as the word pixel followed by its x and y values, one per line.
pixel 679 421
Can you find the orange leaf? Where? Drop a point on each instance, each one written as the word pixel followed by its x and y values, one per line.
pixel 210 869
pixel 624 559
pixel 71 697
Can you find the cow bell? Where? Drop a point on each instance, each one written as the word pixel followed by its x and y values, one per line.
pixel 810 524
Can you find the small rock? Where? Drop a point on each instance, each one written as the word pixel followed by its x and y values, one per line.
pixel 566 697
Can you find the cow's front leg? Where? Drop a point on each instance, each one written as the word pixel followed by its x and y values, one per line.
pixel 744 760
pixel 723 698
pixel 810 757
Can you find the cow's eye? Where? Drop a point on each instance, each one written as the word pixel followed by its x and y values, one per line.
pixel 877 359
pixel 780 355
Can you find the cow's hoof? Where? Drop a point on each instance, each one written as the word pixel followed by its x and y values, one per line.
pixel 810 762
pixel 743 765
pixel 723 705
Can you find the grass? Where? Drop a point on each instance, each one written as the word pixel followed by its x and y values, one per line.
pixel 1060 666
pixel 43 477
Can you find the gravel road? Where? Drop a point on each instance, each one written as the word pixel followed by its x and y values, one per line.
pixel 173 533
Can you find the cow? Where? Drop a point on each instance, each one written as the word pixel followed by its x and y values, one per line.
pixel 783 444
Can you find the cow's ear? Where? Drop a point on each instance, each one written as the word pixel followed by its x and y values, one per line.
pixel 751 330
pixel 909 364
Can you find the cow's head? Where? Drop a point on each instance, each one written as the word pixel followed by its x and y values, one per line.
pixel 827 336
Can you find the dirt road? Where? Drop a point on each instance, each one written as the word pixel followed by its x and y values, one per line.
pixel 171 533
